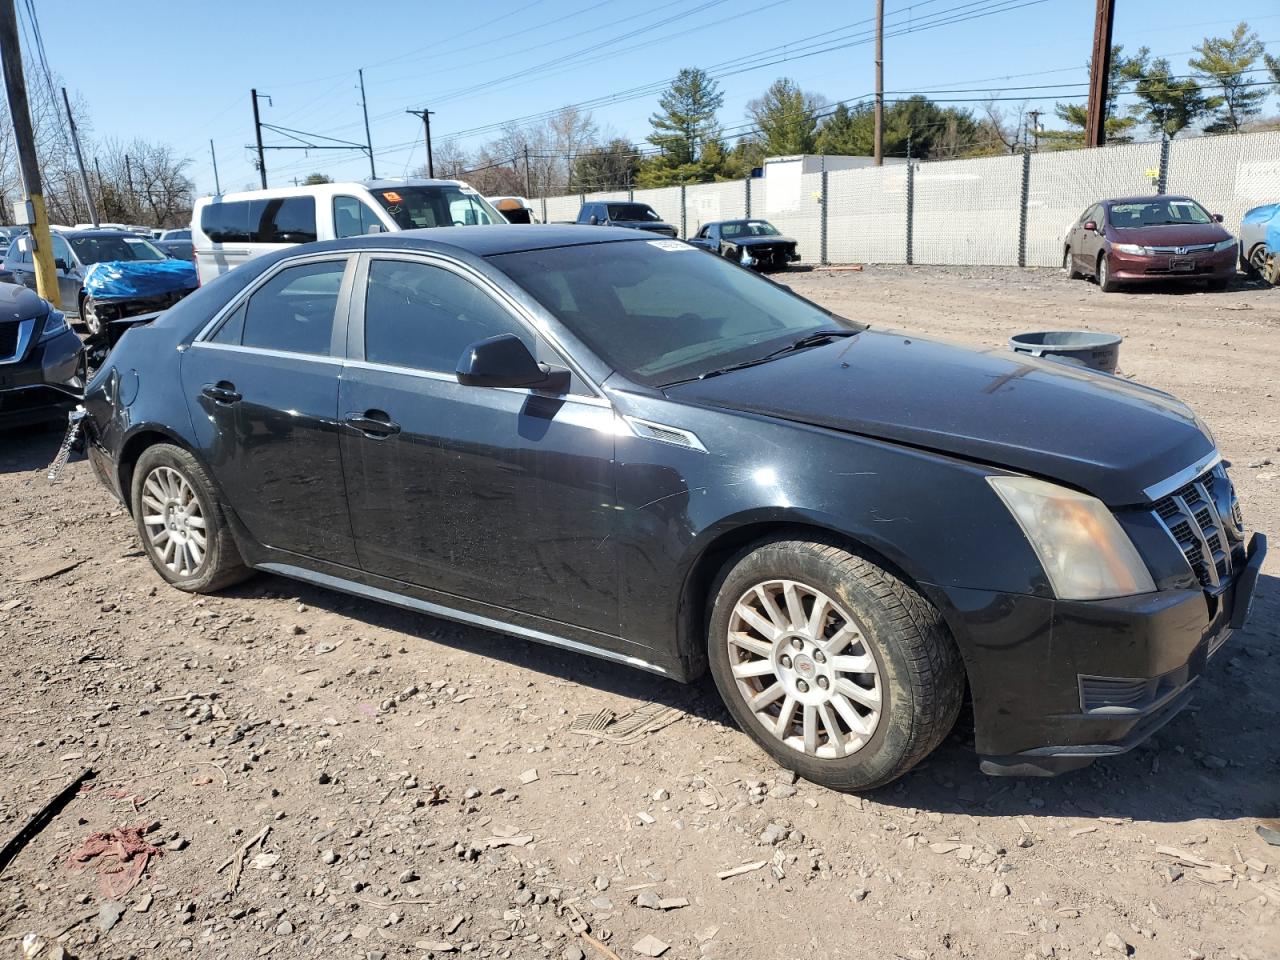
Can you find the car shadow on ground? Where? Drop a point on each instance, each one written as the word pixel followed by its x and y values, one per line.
pixel 1209 762
pixel 30 448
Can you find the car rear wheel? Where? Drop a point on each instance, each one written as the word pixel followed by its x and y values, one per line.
pixel 838 669
pixel 89 316
pixel 1105 283
pixel 1069 265
pixel 181 523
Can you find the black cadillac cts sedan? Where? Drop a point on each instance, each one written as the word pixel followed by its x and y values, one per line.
pixel 628 448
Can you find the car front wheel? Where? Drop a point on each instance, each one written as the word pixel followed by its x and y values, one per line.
pixel 1105 283
pixel 90 317
pixel 181 523
pixel 841 671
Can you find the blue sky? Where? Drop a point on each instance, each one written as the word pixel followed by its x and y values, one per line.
pixel 181 72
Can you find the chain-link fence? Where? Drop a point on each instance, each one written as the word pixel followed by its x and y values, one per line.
pixel 1009 210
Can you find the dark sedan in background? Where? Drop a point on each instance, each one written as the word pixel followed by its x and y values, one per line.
pixel 622 447
pixel 752 243
pixel 1145 239
pixel 41 359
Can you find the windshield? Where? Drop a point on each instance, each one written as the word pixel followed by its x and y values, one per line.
pixel 1156 213
pixel 748 228
pixel 443 206
pixel 103 249
pixel 632 211
pixel 660 311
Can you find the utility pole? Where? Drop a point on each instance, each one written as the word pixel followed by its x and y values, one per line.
pixel 425 114
pixel 128 177
pixel 257 131
pixel 217 186
pixel 368 140
pixel 34 211
pixel 528 190
pixel 98 173
pixel 84 177
pixel 879 149
pixel 1095 131
pixel 1035 126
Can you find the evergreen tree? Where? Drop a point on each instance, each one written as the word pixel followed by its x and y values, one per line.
pixel 1226 64
pixel 1168 105
pixel 787 118
pixel 1118 127
pixel 683 130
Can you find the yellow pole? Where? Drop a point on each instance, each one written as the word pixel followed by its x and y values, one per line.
pixel 46 271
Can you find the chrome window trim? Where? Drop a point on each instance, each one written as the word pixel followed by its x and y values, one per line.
pixel 25 331
pixel 268 352
pixel 234 303
pixel 521 316
pixel 452 378
pixel 1158 491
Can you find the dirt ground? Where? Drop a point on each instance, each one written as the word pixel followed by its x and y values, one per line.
pixel 422 794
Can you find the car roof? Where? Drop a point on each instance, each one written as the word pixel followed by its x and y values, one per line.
pixel 313 189
pixel 488 241
pixel 99 232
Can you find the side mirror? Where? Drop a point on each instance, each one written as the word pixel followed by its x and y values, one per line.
pixel 593 220
pixel 61 264
pixel 501 361
pixel 1217 217
pixel 1090 226
pixel 375 228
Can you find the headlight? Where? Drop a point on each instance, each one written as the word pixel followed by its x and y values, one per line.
pixel 1134 248
pixel 1085 554
pixel 1227 244
pixel 54 324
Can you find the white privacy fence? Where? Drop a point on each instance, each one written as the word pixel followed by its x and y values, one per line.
pixel 1007 210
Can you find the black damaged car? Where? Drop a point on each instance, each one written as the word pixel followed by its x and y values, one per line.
pixel 618 446
pixel 752 243
pixel 41 360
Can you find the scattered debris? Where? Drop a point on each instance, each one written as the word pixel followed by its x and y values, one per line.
pixel 121 855
pixel 40 819
pixel 44 571
pixel 1268 835
pixel 740 870
pixel 650 946
pixel 628 728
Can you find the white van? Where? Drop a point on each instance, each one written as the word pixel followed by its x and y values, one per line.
pixel 229 229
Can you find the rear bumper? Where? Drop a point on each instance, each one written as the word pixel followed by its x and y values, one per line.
pixel 1056 684
pixel 1133 268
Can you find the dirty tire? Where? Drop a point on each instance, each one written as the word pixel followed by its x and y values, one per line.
pixel 1105 283
pixel 921 676
pixel 221 564
pixel 89 316
pixel 1068 266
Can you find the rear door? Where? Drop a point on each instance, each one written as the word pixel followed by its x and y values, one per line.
pixel 262 387
pixel 502 496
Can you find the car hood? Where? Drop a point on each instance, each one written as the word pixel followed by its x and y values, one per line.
pixel 1172 235
pixel 758 241
pixel 657 225
pixel 1095 432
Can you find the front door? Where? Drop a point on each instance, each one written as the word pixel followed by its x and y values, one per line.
pixel 69 276
pixel 501 496
pixel 263 393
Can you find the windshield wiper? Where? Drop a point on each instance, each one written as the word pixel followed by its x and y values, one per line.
pixel 815 339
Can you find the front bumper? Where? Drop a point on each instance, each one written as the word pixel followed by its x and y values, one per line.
pixel 43 385
pixel 1137 268
pixel 1056 684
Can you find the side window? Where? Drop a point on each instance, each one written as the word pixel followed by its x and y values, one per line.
pixel 61 251
pixel 288 220
pixel 351 218
pixel 704 233
pixel 421 316
pixel 294 310
pixel 232 328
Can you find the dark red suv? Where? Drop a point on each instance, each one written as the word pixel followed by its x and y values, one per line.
pixel 1138 239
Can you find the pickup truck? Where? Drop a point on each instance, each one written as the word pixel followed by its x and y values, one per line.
pixel 638 216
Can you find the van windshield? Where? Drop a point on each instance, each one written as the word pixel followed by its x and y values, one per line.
pixel 91 249
pixel 443 206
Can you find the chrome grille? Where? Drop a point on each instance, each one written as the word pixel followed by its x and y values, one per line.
pixel 1204 520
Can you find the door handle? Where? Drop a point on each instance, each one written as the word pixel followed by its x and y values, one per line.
pixel 221 392
pixel 374 424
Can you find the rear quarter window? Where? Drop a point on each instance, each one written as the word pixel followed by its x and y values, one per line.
pixel 275 220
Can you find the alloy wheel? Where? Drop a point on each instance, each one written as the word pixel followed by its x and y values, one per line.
pixel 89 315
pixel 802 665
pixel 174 521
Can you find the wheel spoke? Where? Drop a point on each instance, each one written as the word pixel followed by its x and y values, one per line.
pixel 757 622
pixel 810 729
pixel 752 668
pixel 758 647
pixel 862 663
pixel 771 608
pixel 835 739
pixel 766 697
pixel 158 537
pixel 170 552
pixel 153 519
pixel 868 698
pixel 855 721
pixel 818 617
pixel 841 639
pixel 196 552
pixel 783 725
pixel 795 608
